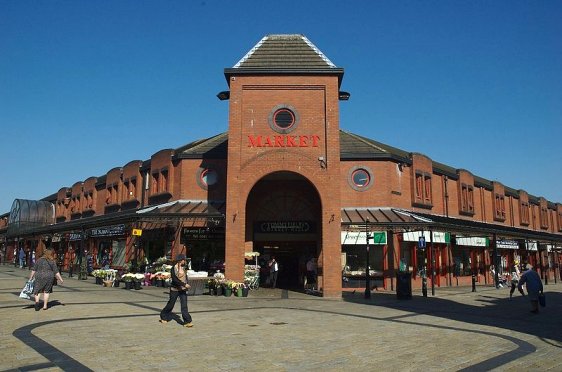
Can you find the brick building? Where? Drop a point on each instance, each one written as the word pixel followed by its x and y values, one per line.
pixel 287 181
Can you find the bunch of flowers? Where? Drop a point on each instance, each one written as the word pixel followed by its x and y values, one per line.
pixel 214 283
pixel 129 277
pixel 230 284
pixel 99 273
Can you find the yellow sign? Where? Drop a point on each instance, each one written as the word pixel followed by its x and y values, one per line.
pixel 137 232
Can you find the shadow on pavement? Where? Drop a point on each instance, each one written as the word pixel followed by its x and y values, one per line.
pixel 487 310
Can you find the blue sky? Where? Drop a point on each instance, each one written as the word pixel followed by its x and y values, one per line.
pixel 86 86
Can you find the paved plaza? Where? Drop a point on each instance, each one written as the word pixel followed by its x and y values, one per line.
pixel 90 327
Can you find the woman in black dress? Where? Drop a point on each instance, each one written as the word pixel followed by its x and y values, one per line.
pixel 45 271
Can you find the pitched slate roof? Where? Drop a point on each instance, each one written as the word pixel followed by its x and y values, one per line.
pixel 285 51
pixel 284 54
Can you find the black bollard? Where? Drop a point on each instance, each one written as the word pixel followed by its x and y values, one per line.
pixel 473 282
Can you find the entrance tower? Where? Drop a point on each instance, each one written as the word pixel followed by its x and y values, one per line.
pixel 283 154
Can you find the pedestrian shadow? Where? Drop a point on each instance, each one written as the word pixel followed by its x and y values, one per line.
pixel 50 304
pixel 486 310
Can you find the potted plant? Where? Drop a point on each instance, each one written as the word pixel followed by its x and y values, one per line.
pixel 128 280
pixel 137 280
pixel 228 285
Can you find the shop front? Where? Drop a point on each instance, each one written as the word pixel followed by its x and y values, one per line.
pixel 357 255
pixel 428 253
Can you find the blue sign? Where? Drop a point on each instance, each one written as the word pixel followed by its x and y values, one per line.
pixel 421 242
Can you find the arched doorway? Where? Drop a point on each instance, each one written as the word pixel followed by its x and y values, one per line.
pixel 284 220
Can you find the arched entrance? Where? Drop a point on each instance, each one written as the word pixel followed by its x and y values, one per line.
pixel 284 220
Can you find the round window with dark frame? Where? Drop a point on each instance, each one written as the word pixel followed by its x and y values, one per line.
pixel 283 119
pixel 360 178
pixel 207 177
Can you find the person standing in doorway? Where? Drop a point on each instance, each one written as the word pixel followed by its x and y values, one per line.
pixel 273 271
pixel 311 268
pixel 534 287
pixel 179 289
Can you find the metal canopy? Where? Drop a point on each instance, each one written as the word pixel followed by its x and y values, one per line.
pixel 403 220
pixel 28 215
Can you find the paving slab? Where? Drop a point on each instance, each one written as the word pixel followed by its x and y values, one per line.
pixel 91 327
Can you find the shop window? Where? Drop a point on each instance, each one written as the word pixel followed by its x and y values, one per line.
pixel 499 207
pixel 423 190
pixel 524 213
pixel 467 199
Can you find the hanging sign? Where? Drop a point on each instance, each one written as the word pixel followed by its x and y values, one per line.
pixel 359 238
pixel 108 231
pixel 201 233
pixel 472 241
pixel 438 236
pixel 507 244
pixel 285 227
pixel 137 232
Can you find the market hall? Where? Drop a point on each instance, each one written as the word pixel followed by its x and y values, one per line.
pixel 286 181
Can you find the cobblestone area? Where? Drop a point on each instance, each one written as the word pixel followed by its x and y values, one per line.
pixel 90 327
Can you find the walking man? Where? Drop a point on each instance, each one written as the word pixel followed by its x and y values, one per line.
pixel 534 287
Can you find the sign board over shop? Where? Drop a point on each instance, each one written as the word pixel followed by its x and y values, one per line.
pixel 531 246
pixel 201 233
pixel 359 237
pixel 56 238
pixel 74 236
pixel 116 230
pixel 284 227
pixel 472 241
pixel 507 244
pixel 438 236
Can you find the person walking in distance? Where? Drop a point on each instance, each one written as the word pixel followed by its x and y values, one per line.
pixel 179 289
pixel 515 275
pixel 534 287
pixel 21 257
pixel 273 271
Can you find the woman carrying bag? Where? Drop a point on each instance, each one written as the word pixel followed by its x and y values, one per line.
pixel 44 272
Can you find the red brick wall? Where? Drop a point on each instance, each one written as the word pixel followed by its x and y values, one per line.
pixel 315 99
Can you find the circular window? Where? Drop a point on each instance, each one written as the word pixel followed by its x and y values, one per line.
pixel 360 178
pixel 207 177
pixel 283 119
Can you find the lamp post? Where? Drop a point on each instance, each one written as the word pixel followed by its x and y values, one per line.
pixel 367 273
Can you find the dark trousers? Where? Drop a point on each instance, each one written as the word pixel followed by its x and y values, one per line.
pixel 273 278
pixel 166 313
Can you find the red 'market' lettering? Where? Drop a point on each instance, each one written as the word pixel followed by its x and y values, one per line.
pixel 284 141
